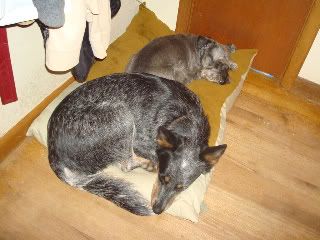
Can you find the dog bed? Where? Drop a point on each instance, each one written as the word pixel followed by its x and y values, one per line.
pixel 216 100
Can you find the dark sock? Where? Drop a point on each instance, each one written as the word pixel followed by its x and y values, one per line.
pixel 86 59
pixel 114 6
pixel 44 32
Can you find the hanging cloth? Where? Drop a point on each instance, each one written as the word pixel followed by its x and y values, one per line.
pixel 7 87
pixel 64 44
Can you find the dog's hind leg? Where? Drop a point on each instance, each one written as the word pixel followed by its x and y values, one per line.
pixel 80 151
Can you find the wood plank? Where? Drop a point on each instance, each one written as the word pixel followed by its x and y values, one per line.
pixel 307 90
pixel 269 90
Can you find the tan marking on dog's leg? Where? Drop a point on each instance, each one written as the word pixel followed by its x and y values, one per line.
pixel 134 162
pixel 144 163
pixel 138 159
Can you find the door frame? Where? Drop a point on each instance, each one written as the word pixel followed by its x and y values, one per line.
pixel 299 54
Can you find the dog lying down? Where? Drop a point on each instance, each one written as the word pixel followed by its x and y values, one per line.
pixel 184 58
pixel 123 120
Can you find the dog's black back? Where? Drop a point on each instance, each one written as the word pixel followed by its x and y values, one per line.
pixel 105 120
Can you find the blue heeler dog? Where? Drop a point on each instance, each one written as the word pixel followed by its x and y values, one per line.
pixel 131 120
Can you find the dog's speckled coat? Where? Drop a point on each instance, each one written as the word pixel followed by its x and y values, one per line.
pixel 109 120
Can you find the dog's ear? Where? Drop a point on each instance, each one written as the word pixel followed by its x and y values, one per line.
pixel 211 155
pixel 181 125
pixel 231 48
pixel 203 43
pixel 167 139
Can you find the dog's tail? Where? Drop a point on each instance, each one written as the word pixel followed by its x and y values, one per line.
pixel 119 192
pixel 116 190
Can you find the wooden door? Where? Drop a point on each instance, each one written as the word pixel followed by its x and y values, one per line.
pixel 271 26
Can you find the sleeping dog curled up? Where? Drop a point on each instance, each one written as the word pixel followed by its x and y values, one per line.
pixel 185 58
pixel 125 119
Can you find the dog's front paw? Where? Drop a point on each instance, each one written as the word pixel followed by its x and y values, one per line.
pixel 125 168
pixel 233 66
pixel 150 166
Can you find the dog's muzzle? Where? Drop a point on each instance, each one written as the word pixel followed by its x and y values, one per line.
pixel 161 197
pixel 224 81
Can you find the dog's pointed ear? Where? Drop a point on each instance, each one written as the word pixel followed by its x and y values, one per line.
pixel 203 43
pixel 167 139
pixel 231 48
pixel 211 155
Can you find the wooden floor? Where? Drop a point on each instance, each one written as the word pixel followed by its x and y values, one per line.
pixel 266 186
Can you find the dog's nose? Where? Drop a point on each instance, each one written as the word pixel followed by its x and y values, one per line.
pixel 157 209
pixel 225 81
